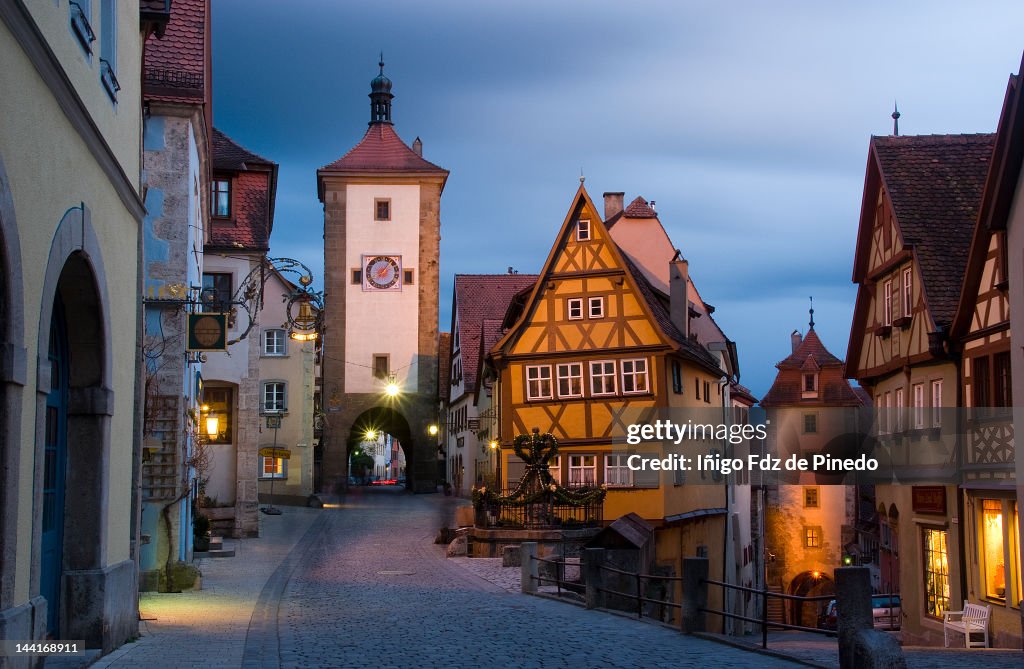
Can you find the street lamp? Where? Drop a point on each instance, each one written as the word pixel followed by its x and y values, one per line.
pixel 432 430
pixel 274 423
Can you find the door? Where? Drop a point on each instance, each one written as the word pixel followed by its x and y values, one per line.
pixel 55 470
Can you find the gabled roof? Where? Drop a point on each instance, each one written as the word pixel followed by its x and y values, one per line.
pixel 230 155
pixel 254 189
pixel 481 298
pixel 639 208
pixel 652 304
pixel 382 150
pixel 444 365
pixel 490 334
pixel 935 184
pixel 176 66
pixel 997 198
pixel 811 356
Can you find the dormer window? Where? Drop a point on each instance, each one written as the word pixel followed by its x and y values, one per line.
pixel 221 197
pixel 810 386
pixel 583 230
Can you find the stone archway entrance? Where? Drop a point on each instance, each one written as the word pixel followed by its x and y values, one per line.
pixel 377 420
pixel 809 584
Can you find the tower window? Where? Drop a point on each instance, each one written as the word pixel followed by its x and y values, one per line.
pixel 583 230
pixel 382 209
pixel 222 197
pixel 380 366
pixel 408 274
pixel 357 277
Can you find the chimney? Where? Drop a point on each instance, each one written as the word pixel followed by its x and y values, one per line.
pixel 796 339
pixel 417 147
pixel 612 204
pixel 679 303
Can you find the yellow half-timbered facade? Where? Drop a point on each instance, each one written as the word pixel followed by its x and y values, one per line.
pixel 591 348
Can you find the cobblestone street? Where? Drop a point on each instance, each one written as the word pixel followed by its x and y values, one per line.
pixel 363 585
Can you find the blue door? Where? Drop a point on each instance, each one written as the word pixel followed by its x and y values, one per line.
pixel 55 470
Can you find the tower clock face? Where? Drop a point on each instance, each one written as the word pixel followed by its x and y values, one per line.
pixel 383 272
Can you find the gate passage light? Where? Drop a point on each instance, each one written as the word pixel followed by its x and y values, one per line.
pixel 432 430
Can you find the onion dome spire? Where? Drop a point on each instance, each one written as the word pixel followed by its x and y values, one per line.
pixel 380 96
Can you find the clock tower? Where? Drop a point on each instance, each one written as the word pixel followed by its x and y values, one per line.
pixel 382 234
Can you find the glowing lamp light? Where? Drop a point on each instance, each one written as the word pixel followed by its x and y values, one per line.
pixel 816 575
pixel 847 560
pixel 432 430
pixel 371 435
pixel 392 389
pixel 304 325
pixel 212 425
pixel 493 444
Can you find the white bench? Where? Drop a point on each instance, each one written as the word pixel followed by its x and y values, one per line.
pixel 973 619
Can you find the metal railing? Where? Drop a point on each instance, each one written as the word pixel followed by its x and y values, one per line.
pixel 639 596
pixel 544 513
pixel 763 620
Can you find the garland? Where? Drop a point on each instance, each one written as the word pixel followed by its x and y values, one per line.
pixel 537 485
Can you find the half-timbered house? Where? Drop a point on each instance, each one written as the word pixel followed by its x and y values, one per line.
pixel 981 327
pixel 587 350
pixel 920 204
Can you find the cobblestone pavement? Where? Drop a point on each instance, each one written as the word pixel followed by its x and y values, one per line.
pixel 374 591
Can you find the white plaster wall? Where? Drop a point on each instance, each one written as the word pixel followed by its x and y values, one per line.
pixel 378 321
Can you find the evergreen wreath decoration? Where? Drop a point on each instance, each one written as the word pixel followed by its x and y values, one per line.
pixel 537 485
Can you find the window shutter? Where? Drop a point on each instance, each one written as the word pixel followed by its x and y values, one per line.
pixel 646 478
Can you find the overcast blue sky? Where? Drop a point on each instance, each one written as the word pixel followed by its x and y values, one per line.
pixel 747 122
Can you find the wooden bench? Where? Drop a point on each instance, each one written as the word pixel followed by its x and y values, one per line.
pixel 973 619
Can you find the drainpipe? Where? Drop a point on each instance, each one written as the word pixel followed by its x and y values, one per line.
pixel 136 502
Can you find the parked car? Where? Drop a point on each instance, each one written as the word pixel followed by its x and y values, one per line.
pixel 827 618
pixel 886 612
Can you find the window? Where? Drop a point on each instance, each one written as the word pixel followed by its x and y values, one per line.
pixel 980 380
pixel 936 572
pixel 810 423
pixel 274 342
pixel 108 47
pixel 538 382
pixel 81 23
pixel 221 403
pixel 602 377
pixel 810 383
pixel 382 209
pixel 908 291
pixel 616 472
pixel 811 497
pixel 707 392
pixel 570 379
pixel 582 470
pixel 634 376
pixel 274 397
pixel 221 197
pixel 273 468
pixel 899 409
pixel 812 537
pixel 583 230
pixel 677 377
pixel 918 399
pixel 887 299
pixel 1002 395
pixel 574 308
pixel 216 291
pixel 696 388
pixel 408 276
pixel 555 469
pixel 381 366
pixel 937 403
pixel 357 277
pixel 888 413
pixel 993 540
pixel 595 307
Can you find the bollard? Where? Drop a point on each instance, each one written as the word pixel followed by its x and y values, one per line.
pixel 593 579
pixel 695 595
pixel 528 568
pixel 853 602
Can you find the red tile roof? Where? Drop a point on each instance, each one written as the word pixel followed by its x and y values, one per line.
pixel 232 156
pixel 176 65
pixel 382 150
pixel 811 356
pixel 254 186
pixel 935 183
pixel 639 208
pixel 480 298
pixel 491 331
pixel 658 304
pixel 444 365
